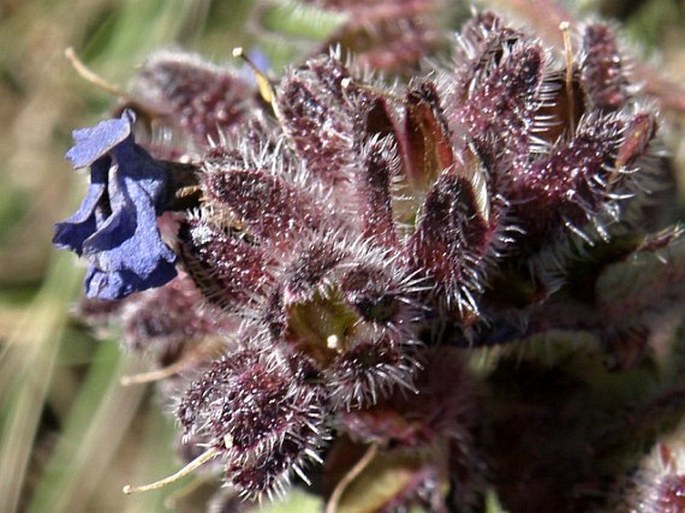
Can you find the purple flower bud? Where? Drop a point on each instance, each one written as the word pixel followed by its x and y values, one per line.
pixel 262 411
pixel 116 224
pixel 455 237
pixel 374 184
pixel 601 68
pixel 201 99
pixel 319 118
pixel 229 271
pixel 271 209
pixel 575 181
pixel 371 369
pixel 503 103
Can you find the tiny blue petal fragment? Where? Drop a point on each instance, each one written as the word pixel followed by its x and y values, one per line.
pixel 116 225
pixel 260 61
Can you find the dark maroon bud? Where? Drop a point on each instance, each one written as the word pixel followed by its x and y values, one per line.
pixel 372 368
pixel 202 99
pixel 315 115
pixel 261 415
pixel 374 185
pixel 601 69
pixel 267 473
pixel 454 239
pixel 481 45
pixel 229 269
pixel 503 103
pixel 573 184
pixel 204 391
pixel 265 206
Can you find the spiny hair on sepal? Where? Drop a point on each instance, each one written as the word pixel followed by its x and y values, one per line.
pixel 271 208
pixel 231 271
pixel 374 367
pixel 658 485
pixel 342 242
pixel 602 67
pixel 374 181
pixel 455 239
pixel 264 415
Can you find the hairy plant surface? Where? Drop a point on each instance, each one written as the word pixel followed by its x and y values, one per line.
pixel 409 295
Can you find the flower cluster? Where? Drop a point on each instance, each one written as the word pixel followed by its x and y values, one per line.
pixel 116 225
pixel 343 242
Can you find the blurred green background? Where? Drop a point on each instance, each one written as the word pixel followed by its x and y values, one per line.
pixel 70 435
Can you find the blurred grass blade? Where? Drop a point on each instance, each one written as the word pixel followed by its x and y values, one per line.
pixel 100 418
pixel 28 364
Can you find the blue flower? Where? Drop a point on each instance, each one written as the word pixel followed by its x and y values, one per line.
pixel 116 225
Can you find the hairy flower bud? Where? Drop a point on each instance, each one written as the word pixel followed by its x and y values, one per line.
pixel 601 65
pixel 229 270
pixel 262 412
pixel 191 95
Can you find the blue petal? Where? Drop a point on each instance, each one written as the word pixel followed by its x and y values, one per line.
pixel 71 233
pixel 93 143
pixel 130 237
pixel 127 250
pixel 116 224
pixel 149 174
pixel 116 285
